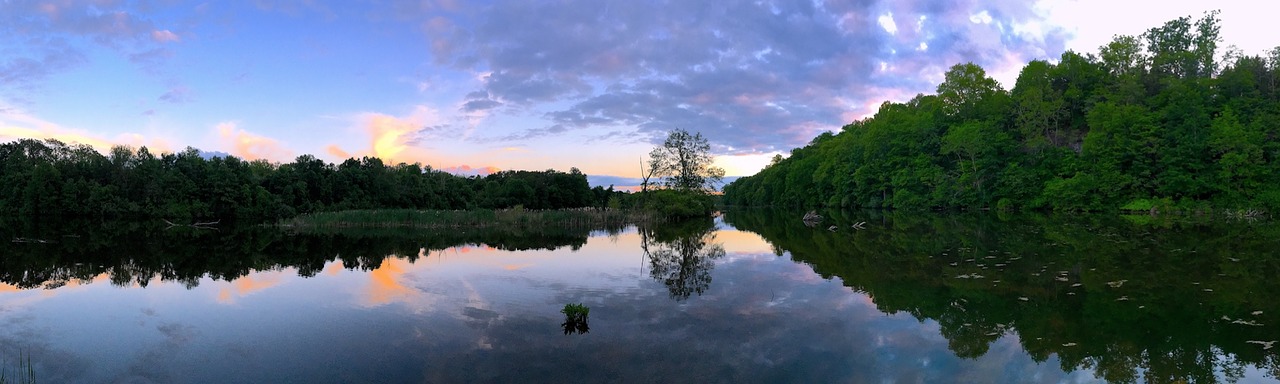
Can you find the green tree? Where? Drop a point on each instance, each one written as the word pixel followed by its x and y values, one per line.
pixel 684 162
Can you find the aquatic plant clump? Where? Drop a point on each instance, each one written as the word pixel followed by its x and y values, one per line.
pixel 575 318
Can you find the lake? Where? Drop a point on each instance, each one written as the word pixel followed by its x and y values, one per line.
pixel 753 296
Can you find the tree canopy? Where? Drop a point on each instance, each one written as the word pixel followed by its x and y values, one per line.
pixel 1150 121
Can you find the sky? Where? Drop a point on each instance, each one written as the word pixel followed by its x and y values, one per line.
pixel 474 87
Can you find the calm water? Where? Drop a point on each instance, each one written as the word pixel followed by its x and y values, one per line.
pixel 752 297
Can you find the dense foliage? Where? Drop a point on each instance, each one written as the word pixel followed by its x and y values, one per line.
pixel 50 178
pixel 1149 122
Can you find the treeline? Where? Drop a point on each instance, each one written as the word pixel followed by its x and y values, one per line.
pixel 51 178
pixel 1151 121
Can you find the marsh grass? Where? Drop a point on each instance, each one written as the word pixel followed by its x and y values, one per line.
pixel 506 218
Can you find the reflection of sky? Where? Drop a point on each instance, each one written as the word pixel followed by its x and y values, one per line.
pixel 477 313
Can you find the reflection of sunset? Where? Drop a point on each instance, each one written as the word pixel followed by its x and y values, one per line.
pixel 248 284
pixel 512 267
pixel 469 248
pixel 385 286
pixel 742 242
pixel 334 268
pixel 6 288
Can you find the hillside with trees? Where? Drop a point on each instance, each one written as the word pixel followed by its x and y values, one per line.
pixel 1163 120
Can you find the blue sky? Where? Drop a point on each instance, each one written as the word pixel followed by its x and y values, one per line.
pixel 477 86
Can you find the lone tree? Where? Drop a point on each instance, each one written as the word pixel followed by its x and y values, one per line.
pixel 683 163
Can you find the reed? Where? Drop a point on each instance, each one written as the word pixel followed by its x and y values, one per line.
pixel 504 218
pixel 25 373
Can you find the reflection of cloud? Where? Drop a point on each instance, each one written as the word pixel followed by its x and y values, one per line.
pixel 736 241
pixel 334 268
pixel 248 284
pixel 249 146
pixel 774 321
pixel 8 288
pixel 515 267
pixel 177 333
pixel 385 283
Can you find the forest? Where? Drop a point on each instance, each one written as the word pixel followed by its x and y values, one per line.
pixel 51 178
pixel 1161 121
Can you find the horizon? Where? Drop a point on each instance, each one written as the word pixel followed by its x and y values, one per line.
pixel 474 89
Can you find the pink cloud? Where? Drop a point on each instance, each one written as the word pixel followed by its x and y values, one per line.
pixel 165 36
pixel 469 171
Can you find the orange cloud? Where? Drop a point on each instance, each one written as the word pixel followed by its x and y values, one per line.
pixel 337 152
pixel 393 138
pixel 250 146
pixel 390 137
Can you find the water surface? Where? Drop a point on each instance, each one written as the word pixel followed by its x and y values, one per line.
pixel 755 297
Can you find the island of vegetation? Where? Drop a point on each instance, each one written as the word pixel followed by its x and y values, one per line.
pixel 50 178
pixel 1150 123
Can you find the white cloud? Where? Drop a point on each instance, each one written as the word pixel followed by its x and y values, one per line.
pixel 886 22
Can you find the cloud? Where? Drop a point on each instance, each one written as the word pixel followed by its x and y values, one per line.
pixel 479 101
pixel 392 136
pixel 16 124
pixel 755 77
pixel 177 95
pixel 45 38
pixel 25 72
pixel 249 146
pixel 165 36
pixel 405 139
pixel 467 170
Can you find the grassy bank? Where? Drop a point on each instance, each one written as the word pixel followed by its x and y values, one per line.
pixel 506 218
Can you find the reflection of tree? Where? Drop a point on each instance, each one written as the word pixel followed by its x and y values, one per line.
pixel 681 256
pixel 139 252
pixel 1189 312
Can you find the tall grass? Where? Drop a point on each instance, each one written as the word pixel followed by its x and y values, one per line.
pixel 505 218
